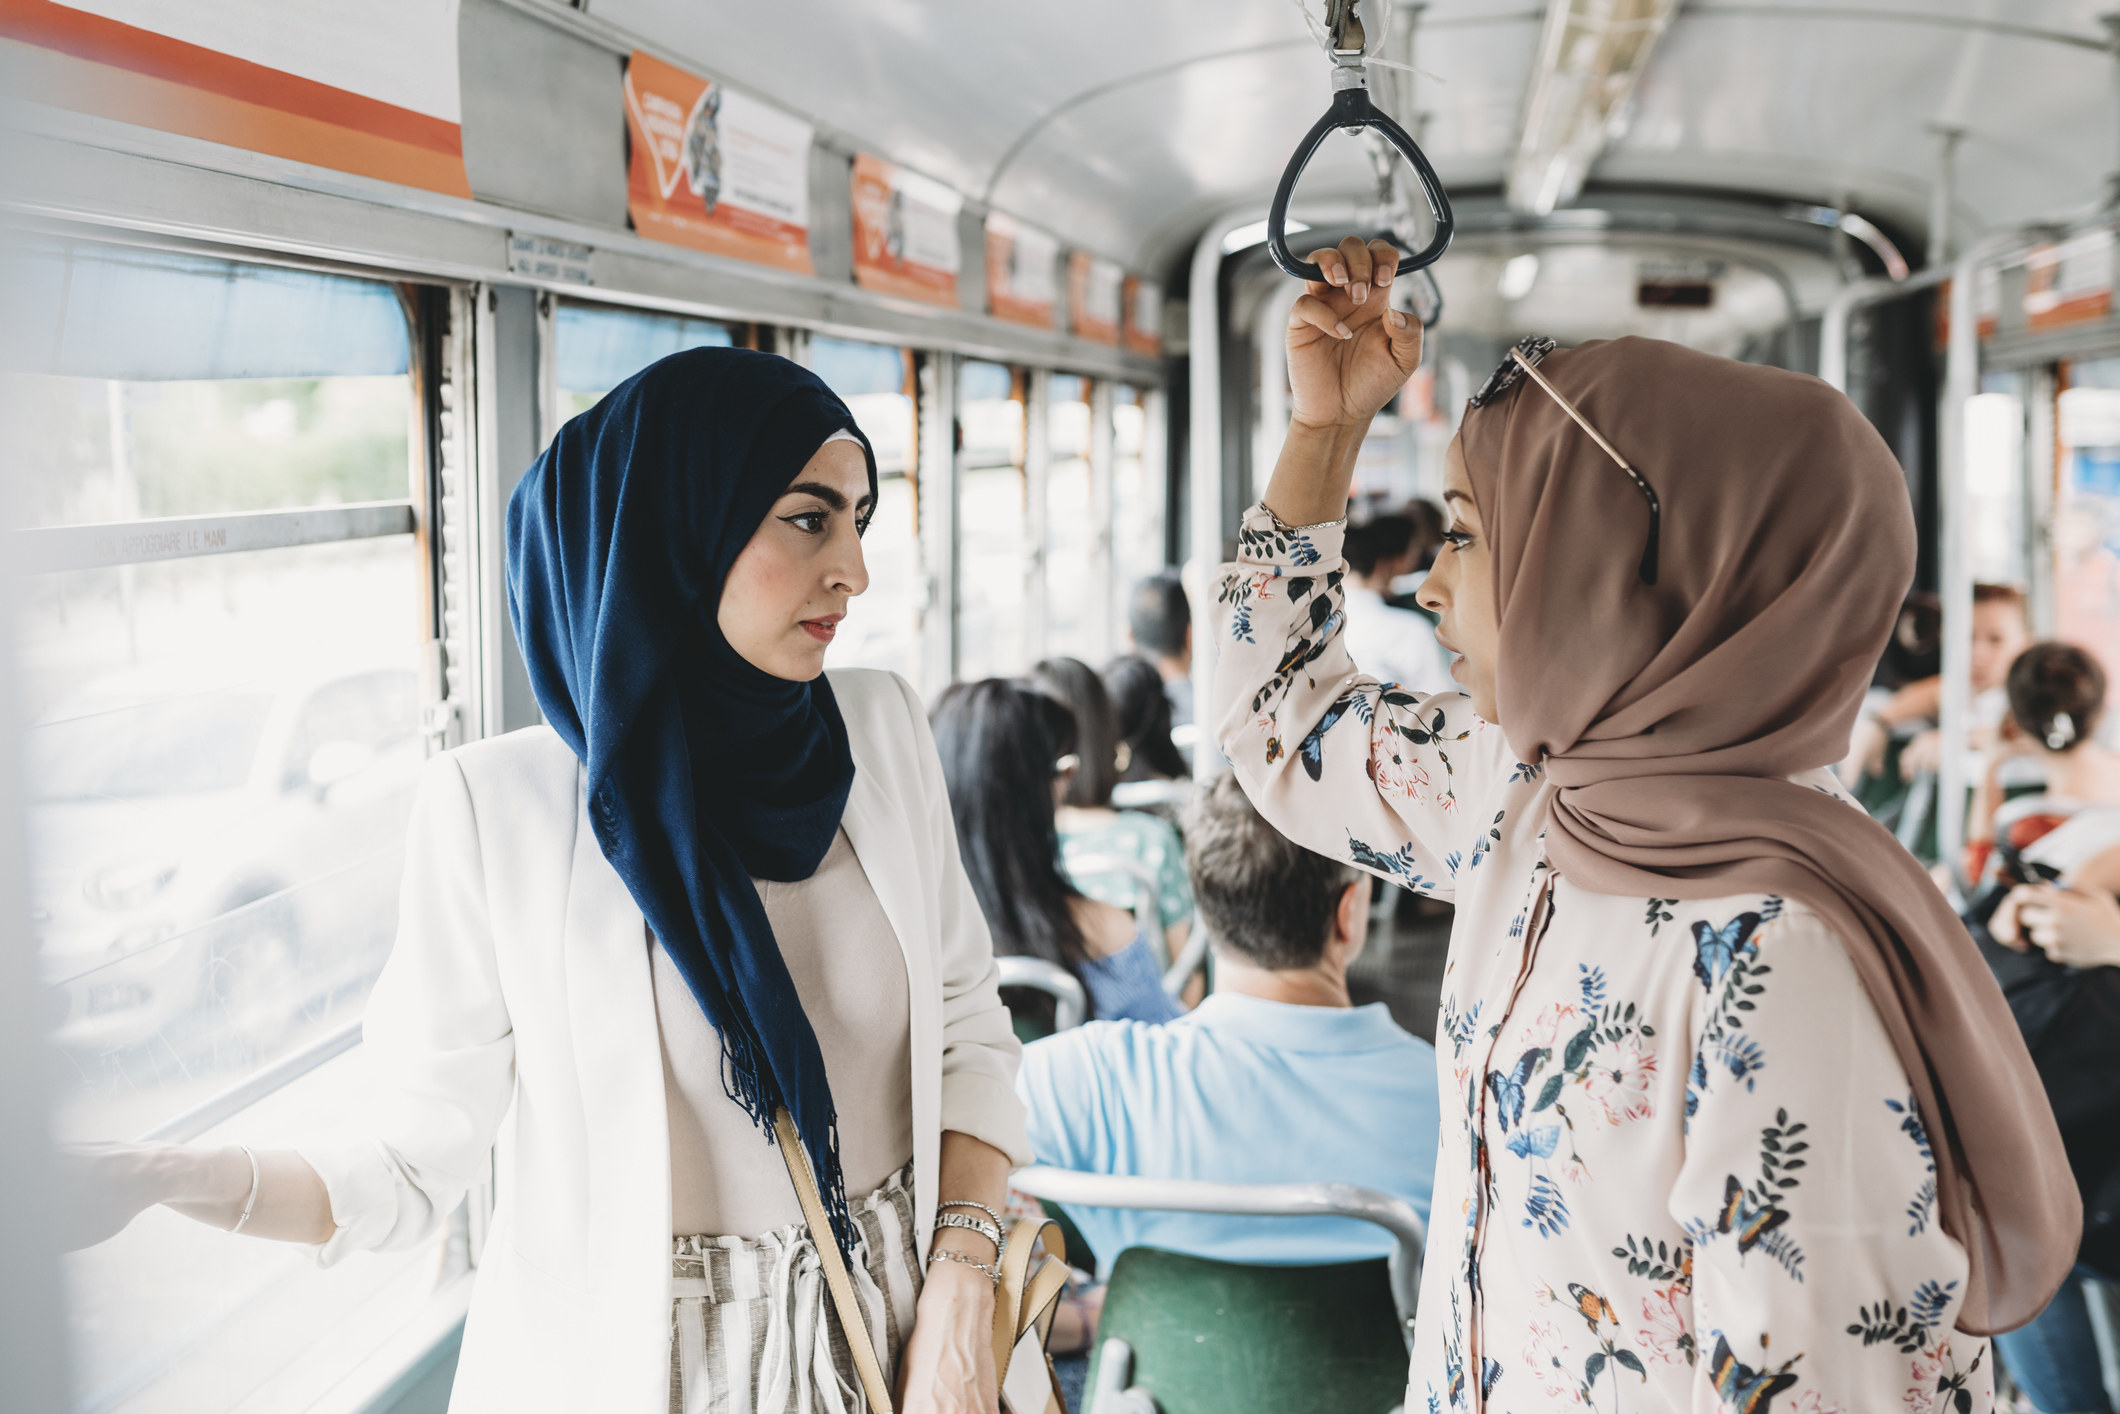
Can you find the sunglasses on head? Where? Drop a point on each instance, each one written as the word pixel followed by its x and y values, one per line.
pixel 1523 360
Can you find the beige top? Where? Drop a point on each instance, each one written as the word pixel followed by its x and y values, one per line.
pixel 726 1176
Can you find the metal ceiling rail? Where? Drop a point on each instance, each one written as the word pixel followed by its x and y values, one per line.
pixel 54 549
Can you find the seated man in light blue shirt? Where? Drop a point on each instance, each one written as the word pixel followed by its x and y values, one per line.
pixel 1276 1078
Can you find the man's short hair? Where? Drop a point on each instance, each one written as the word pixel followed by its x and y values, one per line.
pixel 1259 892
pixel 1159 616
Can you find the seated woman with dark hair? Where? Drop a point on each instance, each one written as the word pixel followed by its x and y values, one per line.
pixel 1090 828
pixel 1006 750
pixel 2056 701
pixel 2068 1002
pixel 1143 712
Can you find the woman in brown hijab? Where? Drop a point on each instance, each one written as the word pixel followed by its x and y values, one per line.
pixel 1735 1117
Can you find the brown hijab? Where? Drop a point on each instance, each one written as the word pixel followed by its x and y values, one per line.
pixel 1671 715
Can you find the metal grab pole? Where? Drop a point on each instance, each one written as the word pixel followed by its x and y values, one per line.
pixel 1204 483
pixel 1961 379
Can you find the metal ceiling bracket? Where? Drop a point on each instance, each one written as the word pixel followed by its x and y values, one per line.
pixel 1353 112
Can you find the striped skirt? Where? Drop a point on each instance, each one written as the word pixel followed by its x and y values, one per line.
pixel 752 1330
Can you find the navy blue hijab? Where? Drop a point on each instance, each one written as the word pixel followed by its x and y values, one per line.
pixel 704 771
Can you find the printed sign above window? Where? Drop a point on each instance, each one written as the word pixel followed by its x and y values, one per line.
pixel 2069 282
pixel 1022 272
pixel 369 89
pixel 715 169
pixel 1094 291
pixel 905 232
pixel 1144 316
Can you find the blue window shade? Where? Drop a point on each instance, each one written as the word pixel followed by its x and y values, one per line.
pixel 986 382
pixel 851 369
pixel 87 311
pixel 601 348
pixel 1069 388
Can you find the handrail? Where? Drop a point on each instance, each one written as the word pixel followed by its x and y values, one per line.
pixel 1144 878
pixel 1264 1200
pixel 242 1095
pixel 1353 112
pixel 1070 1002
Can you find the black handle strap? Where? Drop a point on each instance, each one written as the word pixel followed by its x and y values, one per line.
pixel 1352 110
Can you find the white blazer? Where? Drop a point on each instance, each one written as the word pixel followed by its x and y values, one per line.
pixel 519 987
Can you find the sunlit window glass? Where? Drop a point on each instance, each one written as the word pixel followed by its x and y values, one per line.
pixel 882 627
pixel 1137 504
pixel 992 541
pixel 1071 524
pixel 600 347
pixel 219 764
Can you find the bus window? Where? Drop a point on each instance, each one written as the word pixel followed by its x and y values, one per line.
pixel 882 628
pixel 993 553
pixel 1072 526
pixel 600 347
pixel 2087 511
pixel 1137 503
pixel 1994 480
pixel 220 760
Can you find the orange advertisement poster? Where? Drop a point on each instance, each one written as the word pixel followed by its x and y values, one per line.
pixel 1094 296
pixel 290 78
pixel 905 232
pixel 1143 300
pixel 1022 272
pixel 715 169
pixel 2070 281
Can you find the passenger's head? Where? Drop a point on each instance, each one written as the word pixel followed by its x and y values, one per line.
pixel 2002 626
pixel 1428 521
pixel 1161 619
pixel 1382 549
pixel 1664 556
pixel 694 536
pixel 1002 745
pixel 1273 903
pixel 1098 748
pixel 1142 708
pixel 2057 694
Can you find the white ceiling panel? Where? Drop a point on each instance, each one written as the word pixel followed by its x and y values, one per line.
pixel 1132 123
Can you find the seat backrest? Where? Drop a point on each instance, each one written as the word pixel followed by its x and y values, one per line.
pixel 1213 1337
pixel 1148 889
pixel 1070 1002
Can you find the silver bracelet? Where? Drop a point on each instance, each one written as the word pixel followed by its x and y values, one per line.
pixel 938 1254
pixel 979 1225
pixel 252 1200
pixel 1285 527
pixel 992 1216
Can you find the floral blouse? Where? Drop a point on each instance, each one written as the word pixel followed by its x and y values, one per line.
pixel 1680 1167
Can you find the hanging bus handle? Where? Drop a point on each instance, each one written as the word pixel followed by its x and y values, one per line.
pixel 1353 112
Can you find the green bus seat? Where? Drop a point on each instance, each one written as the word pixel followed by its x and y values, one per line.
pixel 1212 1337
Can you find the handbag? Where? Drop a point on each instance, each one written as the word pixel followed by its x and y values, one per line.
pixel 1025 1301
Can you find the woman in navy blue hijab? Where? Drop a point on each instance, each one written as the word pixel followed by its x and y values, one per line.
pixel 716 886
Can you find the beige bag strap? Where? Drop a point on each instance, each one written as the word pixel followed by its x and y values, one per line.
pixel 1024 1302
pixel 851 1322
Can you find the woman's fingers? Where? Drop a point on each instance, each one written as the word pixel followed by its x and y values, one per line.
pixel 2002 923
pixel 1332 265
pixel 1355 252
pixel 1384 263
pixel 1311 311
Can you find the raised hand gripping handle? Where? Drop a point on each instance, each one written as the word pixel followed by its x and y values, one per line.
pixel 1352 110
